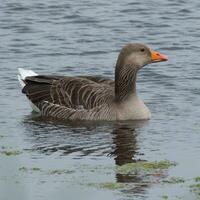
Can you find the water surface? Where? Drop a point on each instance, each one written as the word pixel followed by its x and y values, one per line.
pixel 84 37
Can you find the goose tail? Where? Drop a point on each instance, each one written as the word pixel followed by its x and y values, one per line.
pixel 23 73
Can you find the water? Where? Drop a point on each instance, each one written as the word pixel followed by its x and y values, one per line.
pixel 84 37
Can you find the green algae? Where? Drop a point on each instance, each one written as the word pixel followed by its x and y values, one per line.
pixel 25 169
pixel 112 185
pixel 50 171
pixel 195 188
pixel 108 185
pixel 165 197
pixel 10 152
pixel 35 169
pixel 60 171
pixel 174 180
pixel 130 168
pixel 197 179
pixel 157 165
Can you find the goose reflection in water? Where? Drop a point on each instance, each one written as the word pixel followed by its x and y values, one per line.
pixel 125 151
pixel 117 140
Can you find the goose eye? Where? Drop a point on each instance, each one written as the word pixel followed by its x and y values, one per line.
pixel 142 50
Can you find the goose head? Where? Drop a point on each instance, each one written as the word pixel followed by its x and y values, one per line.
pixel 138 55
pixel 132 57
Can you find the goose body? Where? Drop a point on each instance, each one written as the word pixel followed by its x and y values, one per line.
pixel 92 97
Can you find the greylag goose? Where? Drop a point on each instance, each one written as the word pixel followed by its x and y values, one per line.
pixel 92 97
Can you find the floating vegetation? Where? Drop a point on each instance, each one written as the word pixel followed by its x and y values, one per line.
pixel 165 197
pixel 112 186
pixel 60 171
pixel 195 188
pixel 149 172
pixel 25 169
pixel 197 179
pixel 174 180
pixel 50 171
pixel 132 168
pixel 35 169
pixel 10 152
pixel 109 185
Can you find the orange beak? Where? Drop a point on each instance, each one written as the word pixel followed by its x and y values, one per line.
pixel 157 57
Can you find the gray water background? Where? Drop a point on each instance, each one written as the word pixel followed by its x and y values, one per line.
pixel 84 37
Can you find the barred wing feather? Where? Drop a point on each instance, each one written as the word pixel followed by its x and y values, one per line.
pixel 75 97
